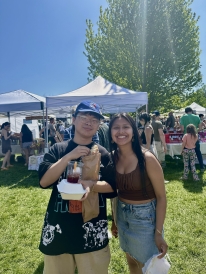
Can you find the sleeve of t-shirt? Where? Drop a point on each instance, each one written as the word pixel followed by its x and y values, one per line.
pixel 181 121
pixel 49 159
pixel 159 125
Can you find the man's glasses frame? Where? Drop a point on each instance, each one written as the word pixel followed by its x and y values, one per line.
pixel 85 119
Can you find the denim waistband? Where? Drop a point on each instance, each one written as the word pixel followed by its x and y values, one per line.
pixel 134 206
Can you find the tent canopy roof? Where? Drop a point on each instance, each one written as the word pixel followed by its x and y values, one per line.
pixel 20 100
pixel 111 97
pixel 194 106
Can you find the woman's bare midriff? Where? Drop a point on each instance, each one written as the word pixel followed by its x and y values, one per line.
pixel 134 202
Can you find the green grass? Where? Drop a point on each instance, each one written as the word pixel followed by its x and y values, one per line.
pixel 23 205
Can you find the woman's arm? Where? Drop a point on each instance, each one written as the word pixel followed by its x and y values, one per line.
pixel 156 176
pixel 148 135
pixel 97 186
pixel 184 139
pixel 4 133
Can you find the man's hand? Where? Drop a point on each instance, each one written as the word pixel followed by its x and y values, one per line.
pixel 78 152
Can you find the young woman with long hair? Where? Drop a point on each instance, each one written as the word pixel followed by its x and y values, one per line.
pixel 26 139
pixel 141 205
pixel 147 133
pixel 188 151
pixel 6 145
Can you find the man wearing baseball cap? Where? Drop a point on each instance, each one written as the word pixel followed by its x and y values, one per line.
pixel 69 132
pixel 66 241
pixel 159 138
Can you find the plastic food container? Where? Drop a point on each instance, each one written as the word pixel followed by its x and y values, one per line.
pixel 70 191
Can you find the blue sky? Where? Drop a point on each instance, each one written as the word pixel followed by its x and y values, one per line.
pixel 42 43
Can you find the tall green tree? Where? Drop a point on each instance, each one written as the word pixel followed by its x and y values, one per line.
pixel 147 45
pixel 198 96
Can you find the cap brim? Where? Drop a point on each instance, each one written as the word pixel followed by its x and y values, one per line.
pixel 88 110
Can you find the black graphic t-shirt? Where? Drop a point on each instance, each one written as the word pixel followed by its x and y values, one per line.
pixel 64 230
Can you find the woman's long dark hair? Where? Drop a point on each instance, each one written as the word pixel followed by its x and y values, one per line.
pixel 136 147
pixel 145 116
pixel 25 130
pixel 5 124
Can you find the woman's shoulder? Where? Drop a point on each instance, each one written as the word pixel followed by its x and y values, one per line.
pixel 148 128
pixel 148 155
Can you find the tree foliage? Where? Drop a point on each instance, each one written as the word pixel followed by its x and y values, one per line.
pixel 150 46
pixel 198 96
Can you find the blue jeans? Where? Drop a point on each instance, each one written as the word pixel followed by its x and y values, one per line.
pixel 136 228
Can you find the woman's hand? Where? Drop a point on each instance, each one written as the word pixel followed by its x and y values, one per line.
pixel 86 194
pixel 161 245
pixel 114 230
pixel 86 183
pixel 78 152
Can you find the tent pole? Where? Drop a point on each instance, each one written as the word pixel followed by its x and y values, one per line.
pixel 43 125
pixel 136 118
pixel 46 133
pixel 8 114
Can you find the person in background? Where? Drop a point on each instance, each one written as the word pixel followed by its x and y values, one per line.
pixel 103 135
pixel 187 119
pixel 170 123
pixel 26 140
pixel 61 129
pixel 52 131
pixel 6 145
pixel 203 125
pixel 188 151
pixel 177 126
pixel 147 133
pixel 159 138
pixel 141 205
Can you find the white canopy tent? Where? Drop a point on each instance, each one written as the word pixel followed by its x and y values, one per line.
pixel 20 101
pixel 18 104
pixel 111 97
pixel 194 106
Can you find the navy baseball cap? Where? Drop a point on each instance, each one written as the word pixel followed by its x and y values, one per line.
pixel 156 112
pixel 89 106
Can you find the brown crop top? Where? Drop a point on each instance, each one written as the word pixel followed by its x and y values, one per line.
pixel 129 186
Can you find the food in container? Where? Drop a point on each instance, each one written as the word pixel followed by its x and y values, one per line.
pixel 70 191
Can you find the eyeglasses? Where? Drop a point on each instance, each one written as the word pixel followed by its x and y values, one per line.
pixel 85 119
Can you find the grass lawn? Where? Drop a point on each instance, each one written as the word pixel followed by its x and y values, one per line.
pixel 23 205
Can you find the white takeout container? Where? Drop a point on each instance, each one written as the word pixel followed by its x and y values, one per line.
pixel 70 191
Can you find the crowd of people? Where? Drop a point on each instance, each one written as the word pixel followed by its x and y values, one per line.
pixel 132 163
